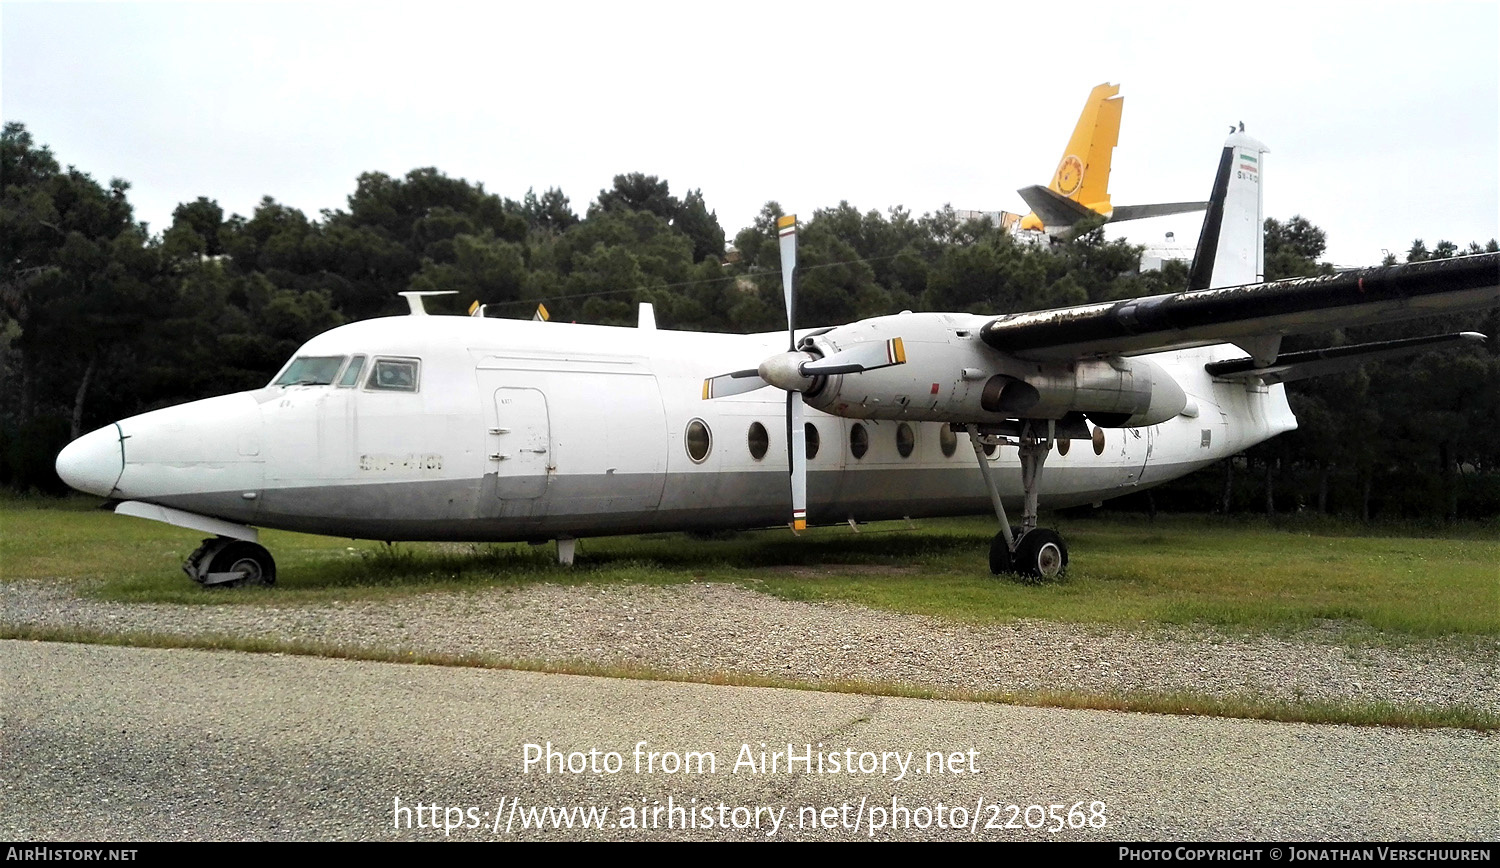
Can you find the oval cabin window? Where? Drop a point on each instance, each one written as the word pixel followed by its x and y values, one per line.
pixel 760 441
pixel 859 441
pixel 699 441
pixel 906 440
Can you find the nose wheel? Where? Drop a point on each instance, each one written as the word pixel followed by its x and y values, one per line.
pixel 222 562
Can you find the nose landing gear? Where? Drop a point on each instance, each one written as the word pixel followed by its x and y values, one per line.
pixel 222 562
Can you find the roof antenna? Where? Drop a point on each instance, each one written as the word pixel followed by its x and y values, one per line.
pixel 414 299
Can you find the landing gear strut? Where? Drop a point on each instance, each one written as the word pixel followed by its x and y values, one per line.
pixel 222 562
pixel 1034 554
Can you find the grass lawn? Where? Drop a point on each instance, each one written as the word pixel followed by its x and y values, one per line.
pixel 1386 584
pixel 1125 569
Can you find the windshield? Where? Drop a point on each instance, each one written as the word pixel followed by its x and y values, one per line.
pixel 310 371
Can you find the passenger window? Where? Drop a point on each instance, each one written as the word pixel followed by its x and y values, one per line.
pixel 351 373
pixel 906 440
pixel 948 440
pixel 859 440
pixel 699 441
pixel 310 371
pixel 760 441
pixel 393 375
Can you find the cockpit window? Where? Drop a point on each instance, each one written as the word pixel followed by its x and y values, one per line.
pixel 310 371
pixel 393 375
pixel 351 373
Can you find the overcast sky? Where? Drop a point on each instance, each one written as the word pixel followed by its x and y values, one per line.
pixel 1383 119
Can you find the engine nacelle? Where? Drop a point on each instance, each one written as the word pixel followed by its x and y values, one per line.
pixel 1118 393
pixel 951 376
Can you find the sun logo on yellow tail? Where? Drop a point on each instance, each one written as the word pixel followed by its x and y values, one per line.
pixel 1069 175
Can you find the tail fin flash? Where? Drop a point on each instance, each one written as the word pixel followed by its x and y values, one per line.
pixel 1232 247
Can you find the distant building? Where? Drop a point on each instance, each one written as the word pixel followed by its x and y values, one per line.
pixel 1167 250
pixel 1003 219
pixel 1010 224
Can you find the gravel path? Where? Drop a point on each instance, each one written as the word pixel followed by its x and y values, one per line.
pixel 710 628
pixel 128 744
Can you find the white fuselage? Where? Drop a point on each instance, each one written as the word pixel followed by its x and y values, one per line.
pixel 522 430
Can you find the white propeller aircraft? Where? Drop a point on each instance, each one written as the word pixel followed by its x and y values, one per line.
pixel 480 429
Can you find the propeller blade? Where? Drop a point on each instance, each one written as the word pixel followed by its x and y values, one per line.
pixel 797 458
pixel 786 230
pixel 868 356
pixel 796 432
pixel 735 383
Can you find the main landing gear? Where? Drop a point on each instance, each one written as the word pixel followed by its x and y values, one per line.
pixel 222 562
pixel 1035 554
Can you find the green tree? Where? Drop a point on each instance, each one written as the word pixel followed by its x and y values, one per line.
pixel 691 217
pixel 549 213
pixel 638 192
pixel 701 225
pixel 1293 249
pixel 483 268
pixel 202 219
pixel 81 287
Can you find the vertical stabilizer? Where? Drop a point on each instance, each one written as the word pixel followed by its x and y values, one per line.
pixel 1232 247
pixel 1092 145
pixel 1082 174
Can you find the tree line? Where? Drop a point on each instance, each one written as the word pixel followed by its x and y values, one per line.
pixel 101 318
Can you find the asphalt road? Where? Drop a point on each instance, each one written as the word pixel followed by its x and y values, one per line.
pixel 131 744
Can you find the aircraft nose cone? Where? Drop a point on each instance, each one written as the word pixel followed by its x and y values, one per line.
pixel 93 463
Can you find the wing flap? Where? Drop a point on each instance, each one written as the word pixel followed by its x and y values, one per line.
pixel 1290 367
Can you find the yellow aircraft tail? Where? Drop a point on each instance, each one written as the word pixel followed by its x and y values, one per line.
pixel 1082 174
pixel 1080 186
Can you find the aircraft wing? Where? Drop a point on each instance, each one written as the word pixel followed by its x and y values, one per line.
pixel 1253 316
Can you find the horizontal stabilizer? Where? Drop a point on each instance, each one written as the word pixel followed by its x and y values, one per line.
pixel 1141 212
pixel 1053 207
pixel 1289 367
pixel 1300 305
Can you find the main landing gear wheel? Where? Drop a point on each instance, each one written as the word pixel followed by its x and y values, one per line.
pixel 1041 555
pixel 1001 561
pixel 231 563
